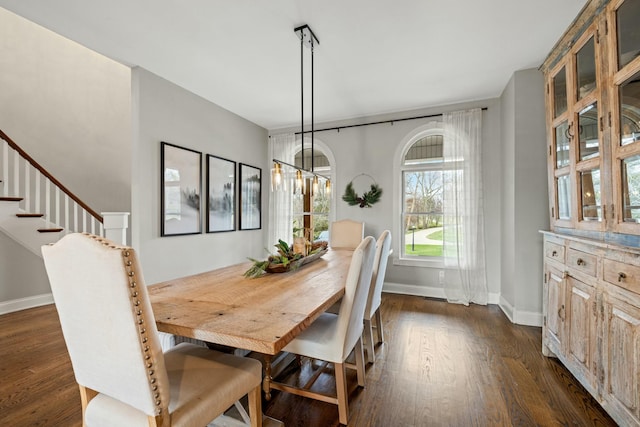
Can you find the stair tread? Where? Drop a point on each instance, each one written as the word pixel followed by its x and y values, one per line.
pixel 50 230
pixel 10 199
pixel 29 215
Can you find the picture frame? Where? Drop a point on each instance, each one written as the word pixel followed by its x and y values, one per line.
pixel 250 217
pixel 221 194
pixel 181 189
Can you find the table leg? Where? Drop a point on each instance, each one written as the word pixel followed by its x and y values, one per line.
pixel 266 382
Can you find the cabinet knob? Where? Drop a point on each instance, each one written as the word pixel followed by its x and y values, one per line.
pixel 554 253
pixel 621 276
pixel 580 261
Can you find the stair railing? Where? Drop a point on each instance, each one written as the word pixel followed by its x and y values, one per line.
pixel 41 193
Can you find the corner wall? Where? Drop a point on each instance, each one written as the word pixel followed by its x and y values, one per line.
pixel 525 207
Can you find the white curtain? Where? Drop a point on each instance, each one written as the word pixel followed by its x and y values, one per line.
pixel 464 246
pixel 281 147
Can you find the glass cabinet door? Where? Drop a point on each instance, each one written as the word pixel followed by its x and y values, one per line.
pixel 563 190
pixel 562 145
pixel 560 92
pixel 629 107
pixel 590 195
pixel 586 69
pixel 631 189
pixel 628 33
pixel 589 144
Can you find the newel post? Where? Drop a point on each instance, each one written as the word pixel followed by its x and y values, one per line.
pixel 115 226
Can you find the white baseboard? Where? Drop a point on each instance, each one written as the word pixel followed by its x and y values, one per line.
pixel 518 317
pixel 25 303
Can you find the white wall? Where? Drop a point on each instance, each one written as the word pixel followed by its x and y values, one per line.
pixel 69 108
pixel 371 150
pixel 525 205
pixel 166 112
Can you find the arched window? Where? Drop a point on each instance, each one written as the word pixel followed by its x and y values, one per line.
pixel 422 192
pixel 312 211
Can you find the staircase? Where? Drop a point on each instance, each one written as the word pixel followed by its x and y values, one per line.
pixel 35 208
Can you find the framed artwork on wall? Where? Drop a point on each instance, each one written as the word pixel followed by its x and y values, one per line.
pixel 250 197
pixel 181 170
pixel 221 194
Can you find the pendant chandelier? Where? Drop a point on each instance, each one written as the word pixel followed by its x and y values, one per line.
pixel 278 177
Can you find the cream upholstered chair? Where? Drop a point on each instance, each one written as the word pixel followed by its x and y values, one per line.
pixel 383 246
pixel 346 234
pixel 332 337
pixel 110 332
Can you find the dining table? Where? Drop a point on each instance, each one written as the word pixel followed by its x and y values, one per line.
pixel 261 314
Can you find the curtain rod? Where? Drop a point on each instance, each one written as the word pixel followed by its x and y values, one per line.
pixel 377 123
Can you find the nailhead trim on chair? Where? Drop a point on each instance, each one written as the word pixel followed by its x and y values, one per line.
pixel 126 253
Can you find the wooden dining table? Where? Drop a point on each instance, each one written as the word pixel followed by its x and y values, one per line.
pixel 260 314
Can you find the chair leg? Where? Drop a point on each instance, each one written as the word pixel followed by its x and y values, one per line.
pixel 255 407
pixel 86 394
pixel 341 389
pixel 359 354
pixel 368 333
pixel 379 325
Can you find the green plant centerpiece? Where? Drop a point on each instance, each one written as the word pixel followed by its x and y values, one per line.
pixel 285 259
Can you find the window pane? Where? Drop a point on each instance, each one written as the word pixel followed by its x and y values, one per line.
pixel 564 197
pixel 423 235
pixel 562 145
pixel 588 132
pixel 560 92
pixel 422 217
pixel 627 17
pixel 425 150
pixel 629 94
pixel 586 69
pixel 591 206
pixel 631 189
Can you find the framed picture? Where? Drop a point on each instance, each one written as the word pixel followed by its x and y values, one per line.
pixel 221 194
pixel 250 197
pixel 181 179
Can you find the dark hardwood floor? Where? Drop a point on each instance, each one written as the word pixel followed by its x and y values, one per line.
pixel 441 365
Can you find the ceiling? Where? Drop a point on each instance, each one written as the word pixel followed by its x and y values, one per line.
pixel 374 57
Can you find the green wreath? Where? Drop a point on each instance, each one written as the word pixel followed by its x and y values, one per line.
pixel 369 198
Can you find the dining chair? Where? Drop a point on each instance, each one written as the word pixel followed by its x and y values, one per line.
pixel 124 377
pixel 346 234
pixel 372 309
pixel 332 337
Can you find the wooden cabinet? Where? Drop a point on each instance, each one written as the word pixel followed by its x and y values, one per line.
pixel 591 295
pixel 621 391
pixel 593 123
pixel 591 303
pixel 556 311
pixel 581 350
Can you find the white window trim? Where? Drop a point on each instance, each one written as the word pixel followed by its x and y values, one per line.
pixel 431 128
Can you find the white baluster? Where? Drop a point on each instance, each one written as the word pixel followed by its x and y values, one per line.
pixel 47 201
pixel 84 220
pixel 27 187
pixel 75 217
pixel 57 219
pixel 36 197
pixel 16 174
pixel 66 212
pixel 5 169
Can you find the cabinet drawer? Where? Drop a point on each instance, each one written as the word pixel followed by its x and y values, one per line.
pixel 554 251
pixel 624 275
pixel 581 261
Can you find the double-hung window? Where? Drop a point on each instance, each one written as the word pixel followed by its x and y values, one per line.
pixel 423 179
